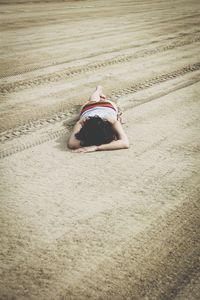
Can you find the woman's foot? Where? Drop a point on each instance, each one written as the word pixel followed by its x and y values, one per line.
pixel 99 89
pixel 96 95
pixel 102 96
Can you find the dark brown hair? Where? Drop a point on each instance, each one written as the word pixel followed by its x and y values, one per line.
pixel 96 131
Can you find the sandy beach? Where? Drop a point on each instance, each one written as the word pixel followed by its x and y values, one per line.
pixel 114 225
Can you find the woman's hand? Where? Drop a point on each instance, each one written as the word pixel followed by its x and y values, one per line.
pixel 119 117
pixel 86 149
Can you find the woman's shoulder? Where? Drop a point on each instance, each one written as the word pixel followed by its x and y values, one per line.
pixel 111 119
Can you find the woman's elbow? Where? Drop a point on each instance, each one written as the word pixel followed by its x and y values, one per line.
pixel 126 145
pixel 123 145
pixel 71 145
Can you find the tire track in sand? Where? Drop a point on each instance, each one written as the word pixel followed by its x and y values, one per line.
pixel 8 135
pixel 73 71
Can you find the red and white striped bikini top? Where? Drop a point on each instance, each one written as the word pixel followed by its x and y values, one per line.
pixel 97 104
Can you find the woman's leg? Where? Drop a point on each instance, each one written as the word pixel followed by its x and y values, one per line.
pixel 96 96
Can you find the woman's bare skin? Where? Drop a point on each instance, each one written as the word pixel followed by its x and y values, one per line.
pixel 121 143
pixel 98 96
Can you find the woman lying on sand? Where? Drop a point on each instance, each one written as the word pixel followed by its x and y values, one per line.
pixel 99 126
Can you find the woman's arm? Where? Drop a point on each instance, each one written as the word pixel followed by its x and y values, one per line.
pixel 114 145
pixel 73 142
pixel 121 143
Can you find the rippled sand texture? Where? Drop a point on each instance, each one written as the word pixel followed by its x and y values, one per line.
pixel 112 225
